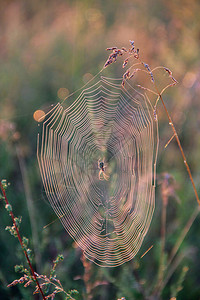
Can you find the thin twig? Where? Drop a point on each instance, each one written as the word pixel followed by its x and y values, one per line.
pixel 169 141
pixel 170 119
pixel 173 127
pixel 181 149
pixel 30 205
pixel 20 240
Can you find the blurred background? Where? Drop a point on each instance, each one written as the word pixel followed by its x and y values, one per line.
pixel 49 49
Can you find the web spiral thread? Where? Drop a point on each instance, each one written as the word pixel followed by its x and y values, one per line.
pixel 107 208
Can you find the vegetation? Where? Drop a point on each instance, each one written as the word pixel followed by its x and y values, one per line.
pixel 48 50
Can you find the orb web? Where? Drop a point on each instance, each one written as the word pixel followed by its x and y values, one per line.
pixel 96 158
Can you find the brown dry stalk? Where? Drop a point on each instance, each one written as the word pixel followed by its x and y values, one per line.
pixel 20 240
pixel 133 52
pixel 181 149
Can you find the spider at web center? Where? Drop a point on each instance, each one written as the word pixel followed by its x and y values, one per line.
pixel 101 166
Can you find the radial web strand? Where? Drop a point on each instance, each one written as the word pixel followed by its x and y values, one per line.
pixel 97 158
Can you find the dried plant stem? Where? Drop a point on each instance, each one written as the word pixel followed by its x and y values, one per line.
pixel 172 125
pixel 133 52
pixel 169 140
pixel 161 284
pixel 20 240
pixel 180 147
pixel 30 205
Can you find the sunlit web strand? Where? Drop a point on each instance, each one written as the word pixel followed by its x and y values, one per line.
pixel 108 219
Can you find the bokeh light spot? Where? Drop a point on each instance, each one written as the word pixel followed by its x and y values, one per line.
pixel 87 77
pixel 62 93
pixel 189 79
pixel 39 115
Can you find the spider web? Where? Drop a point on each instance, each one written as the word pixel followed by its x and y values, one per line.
pixel 108 219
